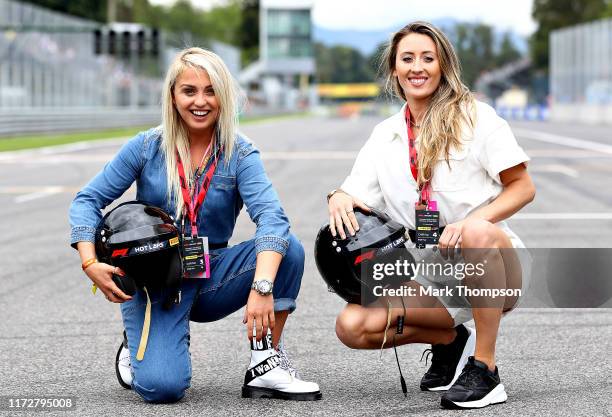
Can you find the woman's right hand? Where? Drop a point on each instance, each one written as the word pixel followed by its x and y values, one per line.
pixel 101 275
pixel 340 207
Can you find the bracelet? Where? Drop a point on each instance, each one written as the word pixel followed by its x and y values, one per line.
pixel 332 192
pixel 88 262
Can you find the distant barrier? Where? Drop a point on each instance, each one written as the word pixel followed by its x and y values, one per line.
pixel 18 122
pixel 534 113
pixel 591 114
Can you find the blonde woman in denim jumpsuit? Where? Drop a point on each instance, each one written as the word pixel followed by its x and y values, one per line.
pixel 199 120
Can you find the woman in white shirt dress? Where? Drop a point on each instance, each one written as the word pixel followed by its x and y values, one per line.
pixel 469 160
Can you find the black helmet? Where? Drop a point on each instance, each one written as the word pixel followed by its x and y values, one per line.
pixel 341 261
pixel 143 241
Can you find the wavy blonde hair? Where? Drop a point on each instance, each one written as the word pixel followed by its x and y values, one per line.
pixel 450 107
pixel 174 132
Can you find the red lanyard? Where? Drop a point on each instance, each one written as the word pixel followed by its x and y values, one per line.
pixel 193 206
pixel 424 197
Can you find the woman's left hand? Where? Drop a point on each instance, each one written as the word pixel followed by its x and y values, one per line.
pixel 259 308
pixel 450 239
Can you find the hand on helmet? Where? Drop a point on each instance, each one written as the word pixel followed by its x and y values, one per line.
pixel 450 240
pixel 340 207
pixel 101 275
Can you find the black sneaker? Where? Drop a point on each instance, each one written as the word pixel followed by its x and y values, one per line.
pixel 123 367
pixel 477 387
pixel 447 361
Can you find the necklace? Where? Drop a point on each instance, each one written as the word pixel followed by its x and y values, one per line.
pixel 413 124
pixel 200 169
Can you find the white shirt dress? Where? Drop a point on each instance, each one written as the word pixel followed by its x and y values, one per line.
pixel 381 178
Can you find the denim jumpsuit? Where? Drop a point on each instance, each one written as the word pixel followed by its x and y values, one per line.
pixel 165 372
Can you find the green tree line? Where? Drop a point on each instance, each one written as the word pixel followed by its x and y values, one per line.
pixel 477 46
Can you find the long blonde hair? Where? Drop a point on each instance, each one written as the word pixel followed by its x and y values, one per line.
pixel 175 135
pixel 450 106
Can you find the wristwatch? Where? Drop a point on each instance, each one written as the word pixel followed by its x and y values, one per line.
pixel 262 286
pixel 332 192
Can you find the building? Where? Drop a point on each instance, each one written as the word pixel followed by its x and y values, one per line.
pixel 282 76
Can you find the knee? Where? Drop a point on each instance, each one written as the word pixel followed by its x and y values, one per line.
pixel 294 257
pixel 160 387
pixel 478 233
pixel 295 251
pixel 350 326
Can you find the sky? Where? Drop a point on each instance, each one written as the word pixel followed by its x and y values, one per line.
pixel 362 15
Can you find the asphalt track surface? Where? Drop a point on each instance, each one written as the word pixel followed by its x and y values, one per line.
pixel 57 339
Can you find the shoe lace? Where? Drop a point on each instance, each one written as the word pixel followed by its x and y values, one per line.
pixel 285 362
pixel 437 356
pixel 470 376
pixel 426 353
pixel 124 360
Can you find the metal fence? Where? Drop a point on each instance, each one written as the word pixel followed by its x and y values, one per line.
pixel 581 63
pixel 581 72
pixel 47 60
pixel 19 122
pixel 51 80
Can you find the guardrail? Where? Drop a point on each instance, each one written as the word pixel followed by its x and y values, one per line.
pixel 534 112
pixel 18 122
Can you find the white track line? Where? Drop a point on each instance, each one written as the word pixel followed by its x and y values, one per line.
pixel 277 156
pixel 47 191
pixel 274 156
pixel 105 157
pixel 31 192
pixel 60 149
pixel 565 154
pixel 561 169
pixel 34 192
pixel 311 155
pixel 562 216
pixel 564 140
pixel 21 189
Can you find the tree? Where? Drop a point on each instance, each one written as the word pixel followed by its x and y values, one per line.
pixel 223 23
pixel 474 44
pixel 87 9
pixel 555 14
pixel 342 64
pixel 248 35
pixel 375 59
pixel 507 51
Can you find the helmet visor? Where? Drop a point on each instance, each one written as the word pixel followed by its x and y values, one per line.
pixel 141 233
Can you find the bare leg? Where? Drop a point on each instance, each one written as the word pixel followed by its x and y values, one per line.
pixel 280 317
pixel 426 321
pixel 500 272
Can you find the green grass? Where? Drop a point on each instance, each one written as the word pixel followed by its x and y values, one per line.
pixel 29 142
pixel 264 118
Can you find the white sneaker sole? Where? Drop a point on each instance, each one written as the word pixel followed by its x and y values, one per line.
pixel 260 392
pixel 496 396
pixel 468 350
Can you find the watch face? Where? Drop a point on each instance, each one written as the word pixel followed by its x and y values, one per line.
pixel 264 287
